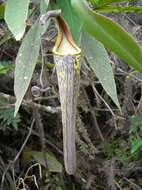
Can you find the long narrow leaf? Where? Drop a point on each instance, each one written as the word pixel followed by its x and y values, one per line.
pixel 102 3
pixel 110 34
pixel 6 37
pixel 99 61
pixel 53 164
pixel 137 144
pixel 120 9
pixel 25 63
pixel 2 10
pixel 15 15
pixel 43 6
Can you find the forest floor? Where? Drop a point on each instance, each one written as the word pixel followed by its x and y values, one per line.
pixel 104 136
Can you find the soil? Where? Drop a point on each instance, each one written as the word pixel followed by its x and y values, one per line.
pixel 104 136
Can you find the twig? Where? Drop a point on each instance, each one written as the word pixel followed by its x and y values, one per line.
pixel 49 142
pixel 54 36
pixel 46 98
pixel 90 180
pixel 22 180
pixel 17 156
pixel 97 125
pixel 140 102
pixel 48 109
pixel 95 122
pixel 42 66
pixel 40 129
pixel 95 90
pixel 117 185
pixel 11 99
pixel 106 110
pixel 133 22
pixel 30 131
pixel 126 74
pixel 136 186
pixel 83 140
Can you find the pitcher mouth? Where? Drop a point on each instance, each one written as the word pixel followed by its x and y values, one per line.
pixel 65 36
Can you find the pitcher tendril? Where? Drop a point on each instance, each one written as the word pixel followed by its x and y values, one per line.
pixel 53 13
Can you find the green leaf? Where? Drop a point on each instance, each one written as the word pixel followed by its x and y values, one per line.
pixel 120 9
pixel 59 188
pixel 137 144
pixel 43 6
pixel 53 164
pixel 110 34
pixel 43 10
pixel 102 3
pixel 7 118
pixel 6 37
pixel 2 10
pixel 43 28
pixel 15 15
pixel 98 59
pixel 71 17
pixel 5 66
pixel 25 63
pixel 136 123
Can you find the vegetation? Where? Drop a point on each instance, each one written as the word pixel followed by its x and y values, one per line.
pixel 109 109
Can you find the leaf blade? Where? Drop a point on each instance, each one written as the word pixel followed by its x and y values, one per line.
pixel 99 61
pixel 136 145
pixel 53 164
pixel 25 63
pixel 2 10
pixel 110 34
pixel 15 16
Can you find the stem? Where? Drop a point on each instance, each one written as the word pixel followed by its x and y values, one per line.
pixel 40 129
